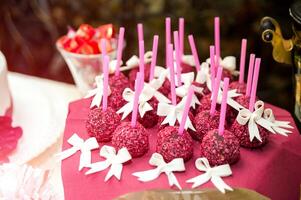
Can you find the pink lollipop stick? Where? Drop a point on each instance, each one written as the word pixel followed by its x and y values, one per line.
pixel 141 58
pixel 217 40
pixel 212 66
pixel 242 60
pixel 194 52
pixel 105 68
pixel 140 32
pixel 136 100
pixel 186 109
pixel 181 35
pixel 154 57
pixel 103 48
pixel 172 75
pixel 119 50
pixel 215 90
pixel 254 84
pixel 178 60
pixel 222 117
pixel 250 74
pixel 167 37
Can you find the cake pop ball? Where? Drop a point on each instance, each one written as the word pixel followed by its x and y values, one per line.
pixel 119 81
pixel 240 87
pixel 171 144
pixel 204 123
pixel 150 118
pixel 135 139
pixel 227 74
pixel 165 88
pixel 115 100
pixel 101 124
pixel 186 68
pixel 133 73
pixel 220 149
pixel 205 104
pixel 242 133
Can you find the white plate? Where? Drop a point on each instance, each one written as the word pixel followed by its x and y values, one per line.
pixel 40 107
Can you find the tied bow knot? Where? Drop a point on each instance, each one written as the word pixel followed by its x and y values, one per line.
pixel 213 174
pixel 279 127
pixel 176 165
pixel 112 159
pixel 174 113
pixel 78 144
pixel 128 95
pixel 230 99
pixel 97 92
pixel 228 63
pixel 245 116
pixel 182 91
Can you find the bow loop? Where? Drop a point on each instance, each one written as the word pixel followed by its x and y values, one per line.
pixel 97 92
pixel 176 165
pixel 112 159
pixel 78 144
pixel 211 173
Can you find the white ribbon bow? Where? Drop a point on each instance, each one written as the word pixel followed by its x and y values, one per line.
pixel 182 91
pixel 147 93
pixel 213 174
pixel 112 159
pixel 245 116
pixel 279 127
pixel 131 63
pixel 176 165
pixel 230 98
pixel 174 113
pixel 80 145
pixel 97 92
pixel 228 62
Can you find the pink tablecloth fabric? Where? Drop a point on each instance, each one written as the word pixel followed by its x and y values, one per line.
pixel 274 170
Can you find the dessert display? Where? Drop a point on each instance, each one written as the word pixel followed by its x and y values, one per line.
pixel 209 125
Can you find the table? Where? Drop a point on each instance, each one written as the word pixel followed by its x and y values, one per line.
pixel 273 171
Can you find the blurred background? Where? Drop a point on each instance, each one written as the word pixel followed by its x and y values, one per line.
pixel 30 28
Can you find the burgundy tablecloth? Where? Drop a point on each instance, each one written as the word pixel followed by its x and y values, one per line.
pixel 274 170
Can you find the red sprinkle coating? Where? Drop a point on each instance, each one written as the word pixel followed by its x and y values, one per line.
pixel 242 133
pixel 240 88
pixel 150 118
pixel 101 124
pixel 133 73
pixel 205 104
pixel 119 81
pixel 187 68
pixel 171 145
pixel 220 149
pixel 204 123
pixel 115 100
pixel 165 88
pixel 135 139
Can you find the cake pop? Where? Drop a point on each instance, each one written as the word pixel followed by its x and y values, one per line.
pixel 135 139
pixel 150 118
pixel 207 120
pixel 101 123
pixel 132 135
pixel 175 142
pixel 242 131
pixel 220 146
pixel 172 145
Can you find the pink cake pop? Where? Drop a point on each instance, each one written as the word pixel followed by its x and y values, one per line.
pixel 242 132
pixel 102 123
pixel 220 146
pixel 175 142
pixel 150 118
pixel 208 120
pixel 132 135
pixel 240 84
